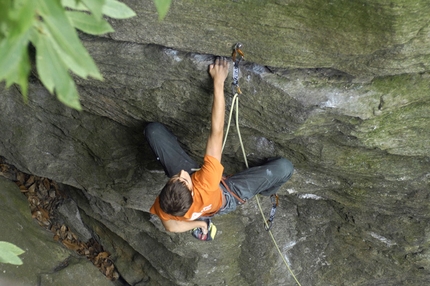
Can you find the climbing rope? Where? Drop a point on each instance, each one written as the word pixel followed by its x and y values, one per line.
pixel 235 105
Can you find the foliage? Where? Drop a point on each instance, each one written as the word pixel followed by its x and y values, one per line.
pixel 162 7
pixel 9 253
pixel 50 26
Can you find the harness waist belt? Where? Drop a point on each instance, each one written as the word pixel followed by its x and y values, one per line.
pixel 230 191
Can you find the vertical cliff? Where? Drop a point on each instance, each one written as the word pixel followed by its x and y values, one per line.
pixel 340 88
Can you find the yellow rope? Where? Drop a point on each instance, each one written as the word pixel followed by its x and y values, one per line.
pixel 235 103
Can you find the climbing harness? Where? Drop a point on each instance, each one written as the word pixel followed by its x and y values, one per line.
pixel 237 56
pixel 232 193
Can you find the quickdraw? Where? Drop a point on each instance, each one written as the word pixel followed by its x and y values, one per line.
pixel 275 200
pixel 237 57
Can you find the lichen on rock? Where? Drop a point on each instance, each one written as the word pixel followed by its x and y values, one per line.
pixel 340 88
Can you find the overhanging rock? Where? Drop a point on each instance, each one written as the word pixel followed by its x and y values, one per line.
pixel 348 106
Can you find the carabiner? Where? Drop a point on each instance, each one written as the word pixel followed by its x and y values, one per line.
pixel 237 50
pixel 236 61
pixel 267 225
pixel 274 199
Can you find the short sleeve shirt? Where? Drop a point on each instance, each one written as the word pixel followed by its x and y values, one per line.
pixel 207 194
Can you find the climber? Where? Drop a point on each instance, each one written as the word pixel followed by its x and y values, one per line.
pixel 190 198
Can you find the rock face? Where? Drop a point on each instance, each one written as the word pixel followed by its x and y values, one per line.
pixel 45 262
pixel 340 89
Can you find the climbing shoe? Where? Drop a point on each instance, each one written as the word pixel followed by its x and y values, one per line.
pixel 198 232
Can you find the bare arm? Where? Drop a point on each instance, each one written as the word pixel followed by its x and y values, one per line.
pixel 182 226
pixel 219 72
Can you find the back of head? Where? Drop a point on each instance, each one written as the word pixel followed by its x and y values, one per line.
pixel 175 198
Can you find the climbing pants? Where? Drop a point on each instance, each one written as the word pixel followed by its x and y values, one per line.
pixel 265 179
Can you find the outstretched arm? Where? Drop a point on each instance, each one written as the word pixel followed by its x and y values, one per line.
pixel 218 72
pixel 182 226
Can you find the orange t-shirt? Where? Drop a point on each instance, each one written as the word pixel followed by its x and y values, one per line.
pixel 207 195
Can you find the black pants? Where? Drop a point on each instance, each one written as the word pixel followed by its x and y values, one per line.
pixel 265 179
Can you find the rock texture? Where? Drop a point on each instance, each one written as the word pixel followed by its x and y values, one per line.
pixel 360 37
pixel 45 262
pixel 340 89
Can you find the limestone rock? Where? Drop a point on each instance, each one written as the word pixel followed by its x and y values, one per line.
pixel 44 259
pixel 70 214
pixel 77 272
pixel 340 89
pixel 358 37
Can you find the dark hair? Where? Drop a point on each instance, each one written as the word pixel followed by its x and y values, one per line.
pixel 175 198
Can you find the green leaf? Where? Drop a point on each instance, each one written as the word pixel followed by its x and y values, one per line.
pixel 65 36
pixel 163 7
pixel 74 4
pixel 111 8
pixel 117 10
pixel 68 94
pixel 64 56
pixel 49 66
pixel 88 24
pixel 9 253
pixel 53 72
pixel 14 61
pixel 5 22
pixel 17 18
pixel 21 17
pixel 95 6
pixel 11 54
pixel 20 76
pixel 4 9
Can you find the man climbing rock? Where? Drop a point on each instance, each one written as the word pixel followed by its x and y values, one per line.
pixel 193 195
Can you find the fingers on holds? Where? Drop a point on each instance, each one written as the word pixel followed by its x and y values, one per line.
pixel 221 61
